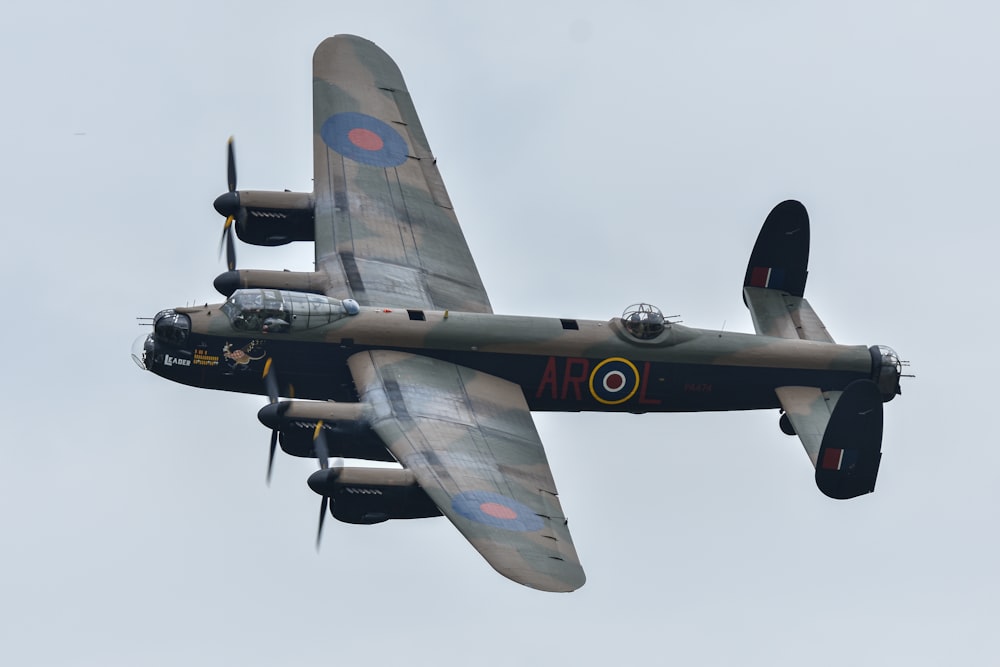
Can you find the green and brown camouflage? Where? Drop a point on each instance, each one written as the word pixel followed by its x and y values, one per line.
pixel 387 241
pixel 390 351
pixel 553 360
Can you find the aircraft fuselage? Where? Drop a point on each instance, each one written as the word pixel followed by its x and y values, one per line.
pixel 561 364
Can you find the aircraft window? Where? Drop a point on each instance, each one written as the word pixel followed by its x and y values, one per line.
pixel 171 327
pixel 644 321
pixel 280 311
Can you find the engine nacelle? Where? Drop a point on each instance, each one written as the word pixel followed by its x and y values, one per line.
pixel 314 282
pixel 270 218
pixel 346 429
pixel 372 495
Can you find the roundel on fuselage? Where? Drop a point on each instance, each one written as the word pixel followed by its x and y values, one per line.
pixel 614 381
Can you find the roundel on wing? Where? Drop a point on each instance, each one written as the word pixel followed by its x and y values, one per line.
pixel 494 509
pixel 614 381
pixel 364 139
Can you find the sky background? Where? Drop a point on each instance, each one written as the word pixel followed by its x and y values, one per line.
pixel 597 154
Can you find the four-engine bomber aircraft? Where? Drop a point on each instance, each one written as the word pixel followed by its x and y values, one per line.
pixel 390 350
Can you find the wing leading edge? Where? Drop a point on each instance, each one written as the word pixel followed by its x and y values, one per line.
pixel 386 233
pixel 469 440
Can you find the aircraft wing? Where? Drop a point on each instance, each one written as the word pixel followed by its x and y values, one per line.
pixel 469 440
pixel 386 233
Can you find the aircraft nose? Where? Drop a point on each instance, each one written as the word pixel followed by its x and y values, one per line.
pixel 142 351
pixel 227 203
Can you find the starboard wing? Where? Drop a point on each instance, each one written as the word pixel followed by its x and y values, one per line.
pixel 776 277
pixel 386 233
pixel 470 441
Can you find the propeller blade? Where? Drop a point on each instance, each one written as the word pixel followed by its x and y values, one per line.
pixel 230 245
pixel 227 241
pixel 270 458
pixel 323 508
pixel 319 443
pixel 230 165
pixel 271 382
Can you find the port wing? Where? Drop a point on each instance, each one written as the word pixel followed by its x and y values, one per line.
pixel 386 233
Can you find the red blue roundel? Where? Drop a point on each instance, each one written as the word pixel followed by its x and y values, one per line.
pixel 494 509
pixel 364 139
pixel 614 381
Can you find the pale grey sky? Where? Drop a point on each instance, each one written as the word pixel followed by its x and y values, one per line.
pixel 597 154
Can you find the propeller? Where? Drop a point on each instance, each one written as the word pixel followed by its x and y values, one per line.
pixel 229 205
pixel 272 414
pixel 271 383
pixel 323 454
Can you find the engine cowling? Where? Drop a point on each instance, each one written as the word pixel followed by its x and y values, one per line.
pixel 270 218
pixel 372 495
pixel 314 282
pixel 346 428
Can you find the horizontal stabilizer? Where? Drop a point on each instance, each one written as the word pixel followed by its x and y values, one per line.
pixel 784 316
pixel 851 450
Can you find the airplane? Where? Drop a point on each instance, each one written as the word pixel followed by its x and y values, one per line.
pixel 390 350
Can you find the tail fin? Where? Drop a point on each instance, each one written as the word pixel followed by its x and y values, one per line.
pixel 775 281
pixel 852 444
pixel 780 256
pixel 841 432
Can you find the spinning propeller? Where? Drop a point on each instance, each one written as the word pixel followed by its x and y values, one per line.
pixel 321 480
pixel 271 383
pixel 323 454
pixel 228 205
pixel 270 415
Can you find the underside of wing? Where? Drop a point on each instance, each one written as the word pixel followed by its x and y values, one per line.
pixel 385 230
pixel 471 444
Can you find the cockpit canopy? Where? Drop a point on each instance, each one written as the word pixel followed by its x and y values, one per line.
pixel 280 311
pixel 644 321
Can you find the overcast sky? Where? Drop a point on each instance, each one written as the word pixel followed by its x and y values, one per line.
pixel 597 154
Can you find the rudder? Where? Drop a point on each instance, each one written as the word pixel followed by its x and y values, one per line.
pixel 851 451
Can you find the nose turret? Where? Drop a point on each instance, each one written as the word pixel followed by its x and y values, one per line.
pixel 167 345
pixel 171 327
pixel 142 351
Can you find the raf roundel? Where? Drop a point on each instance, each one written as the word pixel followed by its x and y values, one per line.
pixel 364 139
pixel 494 509
pixel 614 381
